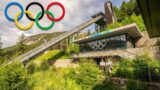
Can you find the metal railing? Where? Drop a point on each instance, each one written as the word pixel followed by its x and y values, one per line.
pixel 45 46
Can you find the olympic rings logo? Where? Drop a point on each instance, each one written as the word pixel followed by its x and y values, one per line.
pixel 30 16
pixel 98 45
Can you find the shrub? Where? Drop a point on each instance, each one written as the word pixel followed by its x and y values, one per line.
pixel 142 68
pixel 13 77
pixel 72 48
pixel 2 60
pixel 31 68
pixel 136 85
pixel 125 72
pixel 141 65
pixel 44 66
pixel 106 85
pixel 124 69
pixel 53 80
pixel 88 74
pixel 147 68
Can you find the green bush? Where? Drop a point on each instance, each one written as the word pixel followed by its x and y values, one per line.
pixel 136 85
pixel 31 68
pixel 88 74
pixel 44 66
pixel 146 68
pixel 142 68
pixel 13 77
pixel 2 60
pixel 124 69
pixel 125 72
pixel 106 85
pixel 72 48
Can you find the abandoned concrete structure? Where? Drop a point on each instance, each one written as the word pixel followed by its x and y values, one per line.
pixel 121 38
pixel 126 41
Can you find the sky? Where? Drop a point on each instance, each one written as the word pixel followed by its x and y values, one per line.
pixel 77 12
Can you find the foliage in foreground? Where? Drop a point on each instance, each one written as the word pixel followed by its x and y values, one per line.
pixel 88 74
pixel 142 68
pixel 136 85
pixel 53 79
pixel 13 77
pixel 85 77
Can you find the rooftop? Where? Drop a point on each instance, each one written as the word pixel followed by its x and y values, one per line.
pixel 131 29
pixel 151 14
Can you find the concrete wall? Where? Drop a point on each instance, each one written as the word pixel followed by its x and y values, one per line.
pixel 146 41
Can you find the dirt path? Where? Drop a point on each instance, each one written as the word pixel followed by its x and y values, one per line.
pixel 64 63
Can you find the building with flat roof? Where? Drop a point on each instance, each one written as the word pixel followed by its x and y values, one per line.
pixel 126 41
pixel 123 42
pixel 120 38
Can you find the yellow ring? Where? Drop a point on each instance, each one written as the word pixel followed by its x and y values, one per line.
pixel 24 27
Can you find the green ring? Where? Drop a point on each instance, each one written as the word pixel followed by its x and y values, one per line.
pixel 41 27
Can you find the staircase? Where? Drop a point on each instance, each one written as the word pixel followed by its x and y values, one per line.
pixel 25 57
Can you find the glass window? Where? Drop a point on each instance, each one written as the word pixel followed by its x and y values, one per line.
pixel 123 38
pixel 112 43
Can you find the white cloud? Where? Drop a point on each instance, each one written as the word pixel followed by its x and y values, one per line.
pixel 77 12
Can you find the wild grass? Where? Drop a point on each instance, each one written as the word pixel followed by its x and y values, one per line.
pixel 52 55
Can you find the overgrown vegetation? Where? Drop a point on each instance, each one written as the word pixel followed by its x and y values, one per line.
pixel 128 13
pixel 20 48
pixel 13 77
pixel 52 55
pixel 126 10
pixel 72 48
pixel 136 85
pixel 87 76
pixel 142 68
pixel 129 20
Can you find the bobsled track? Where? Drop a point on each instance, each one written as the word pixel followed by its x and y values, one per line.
pixel 40 49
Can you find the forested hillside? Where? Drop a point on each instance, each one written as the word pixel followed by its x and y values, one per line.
pixel 128 13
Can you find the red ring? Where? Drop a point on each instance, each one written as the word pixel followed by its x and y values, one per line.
pixel 56 19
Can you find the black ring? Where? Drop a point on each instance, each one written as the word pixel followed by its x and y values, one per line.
pixel 35 3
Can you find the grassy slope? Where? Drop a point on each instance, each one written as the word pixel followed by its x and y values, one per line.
pixel 13 51
pixel 52 55
pixel 53 80
pixel 47 37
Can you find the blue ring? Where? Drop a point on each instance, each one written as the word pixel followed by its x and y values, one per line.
pixel 10 4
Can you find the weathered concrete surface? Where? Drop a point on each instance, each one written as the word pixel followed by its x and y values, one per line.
pixel 66 63
pixel 60 63
pixel 125 53
pixel 146 41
